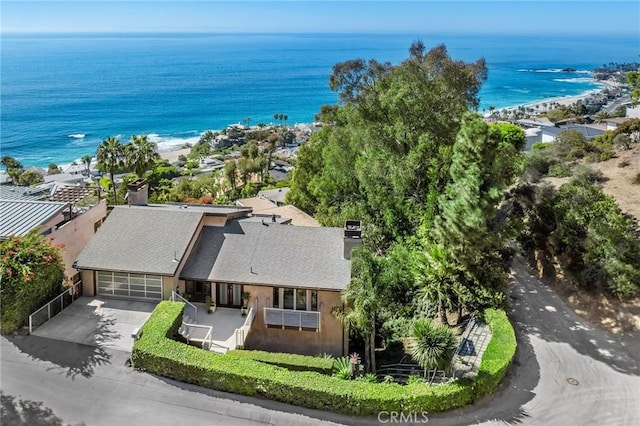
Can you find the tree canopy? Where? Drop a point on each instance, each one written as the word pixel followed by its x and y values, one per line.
pixel 406 154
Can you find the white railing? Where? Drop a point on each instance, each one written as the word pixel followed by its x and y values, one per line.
pixel 197 333
pixel 242 332
pixel 54 306
pixel 175 296
pixel 290 318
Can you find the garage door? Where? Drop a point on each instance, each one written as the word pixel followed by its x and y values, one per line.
pixel 125 285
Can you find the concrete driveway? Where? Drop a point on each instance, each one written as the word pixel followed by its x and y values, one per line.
pixel 99 322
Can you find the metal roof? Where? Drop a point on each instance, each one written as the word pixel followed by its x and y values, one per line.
pixel 11 192
pixel 270 254
pixel 18 217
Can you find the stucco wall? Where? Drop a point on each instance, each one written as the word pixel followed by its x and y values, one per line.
pixel 76 233
pixel 330 339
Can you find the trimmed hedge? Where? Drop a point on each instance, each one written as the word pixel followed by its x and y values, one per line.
pixel 498 355
pixel 155 352
pixel 291 362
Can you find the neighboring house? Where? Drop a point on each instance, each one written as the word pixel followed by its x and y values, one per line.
pixel 613 123
pixel 263 207
pixel 294 274
pixel 549 131
pixel 65 178
pixel 274 195
pixel 57 220
pixel 76 169
pixel 35 193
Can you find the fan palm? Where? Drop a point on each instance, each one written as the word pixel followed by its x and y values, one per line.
pixel 431 345
pixel 86 160
pixel 436 274
pixel 140 154
pixel 110 156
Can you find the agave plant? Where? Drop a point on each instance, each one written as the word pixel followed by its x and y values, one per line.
pixel 369 378
pixel 432 345
pixel 342 368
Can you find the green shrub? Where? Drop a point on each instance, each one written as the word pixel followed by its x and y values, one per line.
pixel 540 161
pixel 155 353
pixel 636 179
pixel 498 355
pixel 560 170
pixel 31 274
pixel 415 379
pixel 369 378
pixel 624 163
pixel 541 145
pixel 291 362
pixel 588 174
pixel 606 155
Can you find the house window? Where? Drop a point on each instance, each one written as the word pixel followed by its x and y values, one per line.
pixel 301 300
pixel 296 299
pixel 288 298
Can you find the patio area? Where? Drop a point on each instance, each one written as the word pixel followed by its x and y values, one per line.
pixel 223 322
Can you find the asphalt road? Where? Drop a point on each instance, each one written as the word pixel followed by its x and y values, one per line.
pixel 566 372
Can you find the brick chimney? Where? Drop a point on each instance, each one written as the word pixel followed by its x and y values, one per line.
pixel 138 192
pixel 352 237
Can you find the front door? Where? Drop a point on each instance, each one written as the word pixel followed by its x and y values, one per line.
pixel 229 295
pixel 199 290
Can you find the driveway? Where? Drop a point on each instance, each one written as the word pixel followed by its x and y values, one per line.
pixel 99 322
pixel 566 372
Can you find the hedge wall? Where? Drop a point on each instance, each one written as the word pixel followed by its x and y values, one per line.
pixel 291 362
pixel 498 355
pixel 155 352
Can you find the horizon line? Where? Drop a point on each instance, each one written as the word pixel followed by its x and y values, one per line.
pixel 398 32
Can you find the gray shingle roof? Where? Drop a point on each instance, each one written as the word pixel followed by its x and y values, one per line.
pixel 141 239
pixel 18 217
pixel 281 255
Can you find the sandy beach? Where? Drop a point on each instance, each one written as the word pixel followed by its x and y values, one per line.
pixel 172 156
pixel 562 100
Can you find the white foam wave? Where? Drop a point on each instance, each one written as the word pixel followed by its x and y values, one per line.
pixel 555 70
pixel 77 135
pixel 573 80
pixel 171 143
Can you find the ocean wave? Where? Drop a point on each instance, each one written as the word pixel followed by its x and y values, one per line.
pixel 170 143
pixel 77 135
pixel 573 80
pixel 555 70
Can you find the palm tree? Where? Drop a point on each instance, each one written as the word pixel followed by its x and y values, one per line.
pixel 110 156
pixel 140 154
pixel 436 273
pixel 431 345
pixel 86 160
pixel 363 299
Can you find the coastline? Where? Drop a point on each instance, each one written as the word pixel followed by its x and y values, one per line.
pixel 170 147
pixel 561 100
pixel 172 156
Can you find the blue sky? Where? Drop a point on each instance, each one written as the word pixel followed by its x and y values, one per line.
pixel 529 17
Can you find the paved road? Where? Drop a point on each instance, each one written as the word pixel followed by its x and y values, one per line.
pixel 566 372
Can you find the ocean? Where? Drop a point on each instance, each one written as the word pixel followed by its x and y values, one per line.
pixel 61 95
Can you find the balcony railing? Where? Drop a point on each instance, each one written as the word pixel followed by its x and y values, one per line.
pixel 289 318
